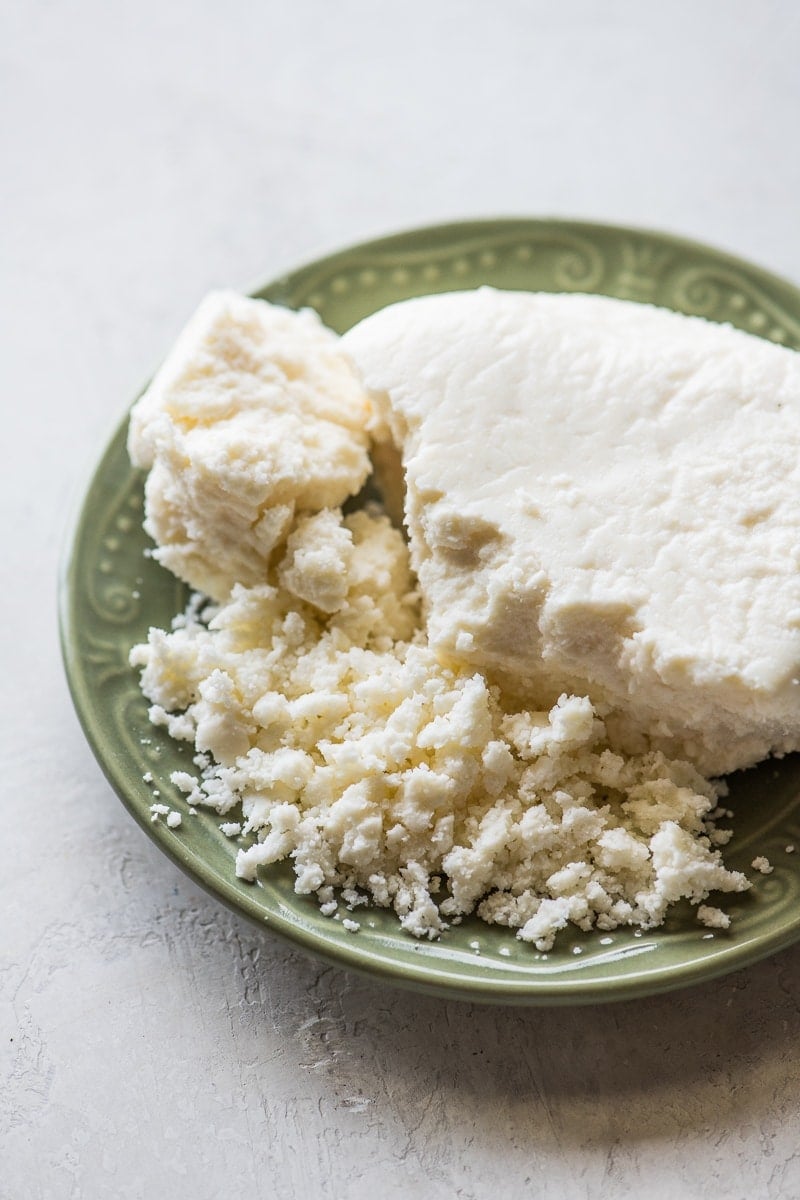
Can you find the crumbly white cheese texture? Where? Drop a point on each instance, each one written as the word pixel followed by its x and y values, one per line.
pixel 255 415
pixel 326 729
pixel 376 769
pixel 602 498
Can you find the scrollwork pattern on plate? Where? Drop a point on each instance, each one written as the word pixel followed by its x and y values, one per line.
pixel 723 295
pixel 146 744
pixel 579 268
pixel 642 270
pixel 113 592
pixel 106 658
pixel 113 601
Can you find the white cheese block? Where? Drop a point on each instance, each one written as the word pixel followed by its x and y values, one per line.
pixel 255 416
pixel 602 497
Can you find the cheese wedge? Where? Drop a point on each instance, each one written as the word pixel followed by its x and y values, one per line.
pixel 603 498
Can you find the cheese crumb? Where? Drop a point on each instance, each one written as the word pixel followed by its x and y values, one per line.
pixel 762 864
pixel 713 918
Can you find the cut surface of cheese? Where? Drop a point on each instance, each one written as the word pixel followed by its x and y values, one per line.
pixel 602 497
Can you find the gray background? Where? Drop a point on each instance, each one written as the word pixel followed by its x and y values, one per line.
pixel 151 1044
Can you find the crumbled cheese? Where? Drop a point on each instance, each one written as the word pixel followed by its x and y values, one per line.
pixel 713 918
pixel 374 761
pixel 388 774
pixel 601 498
pixel 317 561
pixel 762 864
pixel 174 819
pixel 183 781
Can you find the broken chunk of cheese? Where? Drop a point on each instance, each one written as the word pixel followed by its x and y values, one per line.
pixel 255 416
pixel 604 497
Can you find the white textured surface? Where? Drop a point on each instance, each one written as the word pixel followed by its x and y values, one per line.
pixel 600 541
pixel 150 1043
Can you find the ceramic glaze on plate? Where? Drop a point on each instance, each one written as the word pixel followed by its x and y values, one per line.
pixel 111 593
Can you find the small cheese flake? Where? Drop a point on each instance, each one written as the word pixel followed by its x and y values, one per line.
pixel 790 849
pixel 183 781
pixel 762 864
pixel 231 829
pixel 350 926
pixel 713 918
pixel 174 819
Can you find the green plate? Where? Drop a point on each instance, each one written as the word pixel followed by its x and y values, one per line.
pixel 111 593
